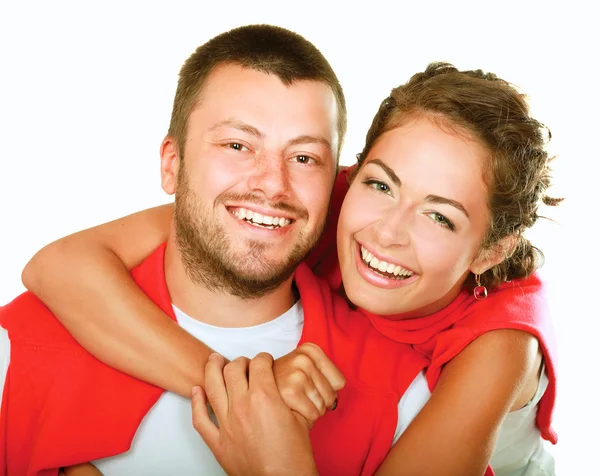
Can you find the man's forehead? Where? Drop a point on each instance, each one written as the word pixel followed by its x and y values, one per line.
pixel 235 82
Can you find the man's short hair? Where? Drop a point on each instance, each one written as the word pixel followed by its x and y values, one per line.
pixel 265 48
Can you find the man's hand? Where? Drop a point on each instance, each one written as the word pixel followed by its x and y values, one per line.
pixel 258 434
pixel 308 381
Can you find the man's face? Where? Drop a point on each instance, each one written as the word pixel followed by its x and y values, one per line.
pixel 253 186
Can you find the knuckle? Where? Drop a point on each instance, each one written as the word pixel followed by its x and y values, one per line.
pixel 312 347
pixel 259 398
pixel 240 361
pixel 302 361
pixel 298 379
pixel 236 365
pixel 264 356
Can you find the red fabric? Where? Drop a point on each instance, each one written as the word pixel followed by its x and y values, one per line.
pixel 61 406
pixel 354 436
pixel 519 304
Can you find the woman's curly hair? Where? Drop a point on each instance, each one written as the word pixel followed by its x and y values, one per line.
pixel 496 114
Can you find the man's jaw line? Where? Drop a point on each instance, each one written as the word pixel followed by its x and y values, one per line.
pixel 220 307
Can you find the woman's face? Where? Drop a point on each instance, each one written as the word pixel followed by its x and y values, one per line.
pixel 413 220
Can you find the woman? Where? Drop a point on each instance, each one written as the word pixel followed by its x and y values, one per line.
pixel 452 174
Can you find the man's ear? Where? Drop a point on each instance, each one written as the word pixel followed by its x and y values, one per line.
pixel 169 164
pixel 495 254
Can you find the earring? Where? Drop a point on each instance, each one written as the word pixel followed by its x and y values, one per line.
pixel 479 292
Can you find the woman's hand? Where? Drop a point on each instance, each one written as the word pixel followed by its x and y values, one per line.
pixel 257 433
pixel 308 381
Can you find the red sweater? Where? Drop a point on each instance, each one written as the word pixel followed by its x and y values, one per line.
pixel 61 406
pixel 519 304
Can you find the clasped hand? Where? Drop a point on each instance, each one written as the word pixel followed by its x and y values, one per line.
pixel 264 410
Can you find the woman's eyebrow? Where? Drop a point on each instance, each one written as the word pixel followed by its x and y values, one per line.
pixel 447 201
pixel 387 169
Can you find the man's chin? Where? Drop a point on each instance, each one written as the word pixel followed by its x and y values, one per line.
pixel 265 275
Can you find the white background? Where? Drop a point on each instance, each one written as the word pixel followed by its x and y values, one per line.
pixel 86 90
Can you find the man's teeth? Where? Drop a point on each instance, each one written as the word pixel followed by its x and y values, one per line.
pixel 258 219
pixel 382 266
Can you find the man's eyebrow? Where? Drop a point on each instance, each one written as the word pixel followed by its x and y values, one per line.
pixel 447 201
pixel 245 127
pixel 240 125
pixel 308 139
pixel 387 169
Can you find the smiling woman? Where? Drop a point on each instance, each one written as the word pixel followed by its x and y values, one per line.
pixel 418 203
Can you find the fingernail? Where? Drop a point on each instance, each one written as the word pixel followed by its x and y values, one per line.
pixel 334 406
pixel 194 389
pixel 213 356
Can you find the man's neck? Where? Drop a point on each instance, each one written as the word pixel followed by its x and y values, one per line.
pixel 220 308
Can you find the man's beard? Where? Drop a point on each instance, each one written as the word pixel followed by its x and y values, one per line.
pixel 206 249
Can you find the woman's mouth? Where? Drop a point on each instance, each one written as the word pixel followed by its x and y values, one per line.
pixel 383 268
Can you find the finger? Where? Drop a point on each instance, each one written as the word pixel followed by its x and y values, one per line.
pixel 303 406
pixel 325 365
pixel 201 419
pixel 303 421
pixel 301 395
pixel 214 385
pixel 235 374
pixel 317 400
pixel 260 373
pixel 322 385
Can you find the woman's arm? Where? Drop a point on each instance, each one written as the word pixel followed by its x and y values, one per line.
pixel 456 431
pixel 74 276
pixel 84 469
pixel 84 279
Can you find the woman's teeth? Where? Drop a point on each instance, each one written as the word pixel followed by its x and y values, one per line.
pixel 383 267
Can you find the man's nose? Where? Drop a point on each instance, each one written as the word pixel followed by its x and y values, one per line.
pixel 270 177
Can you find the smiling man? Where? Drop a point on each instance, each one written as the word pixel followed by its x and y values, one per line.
pixel 251 156
pixel 252 187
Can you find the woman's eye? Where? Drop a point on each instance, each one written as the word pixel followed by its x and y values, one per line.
pixel 377 185
pixel 441 220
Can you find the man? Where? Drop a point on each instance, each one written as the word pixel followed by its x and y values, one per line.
pixel 251 156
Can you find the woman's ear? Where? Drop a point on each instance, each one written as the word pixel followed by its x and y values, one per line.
pixel 493 255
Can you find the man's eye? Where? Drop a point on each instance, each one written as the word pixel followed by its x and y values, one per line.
pixel 303 159
pixel 236 146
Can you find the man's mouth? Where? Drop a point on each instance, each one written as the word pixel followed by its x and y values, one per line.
pixel 269 222
pixel 383 268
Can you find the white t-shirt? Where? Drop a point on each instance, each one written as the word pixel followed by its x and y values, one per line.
pixel 166 442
